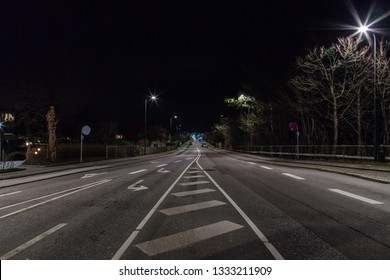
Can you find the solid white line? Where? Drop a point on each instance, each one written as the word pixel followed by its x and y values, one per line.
pixel 266 167
pixel 186 238
pixel 257 231
pixel 48 195
pixel 10 193
pixel 161 165
pixel 355 196
pixel 191 207
pixel 293 176
pixel 55 198
pixel 251 162
pixel 127 244
pixel 138 171
pixel 31 242
pixel 193 183
pixel 195 192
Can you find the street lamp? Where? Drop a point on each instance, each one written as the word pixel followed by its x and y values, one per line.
pixel 170 127
pixel 150 98
pixel 364 29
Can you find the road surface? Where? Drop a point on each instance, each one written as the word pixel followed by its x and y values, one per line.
pixel 199 204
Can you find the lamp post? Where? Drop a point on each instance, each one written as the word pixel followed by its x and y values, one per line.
pixel 153 98
pixel 364 29
pixel 170 127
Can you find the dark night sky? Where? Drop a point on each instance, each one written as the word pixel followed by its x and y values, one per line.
pixel 97 59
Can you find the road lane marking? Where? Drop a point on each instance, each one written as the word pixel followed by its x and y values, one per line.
pixel 193 183
pixel 188 158
pixel 252 225
pixel 187 238
pixel 253 163
pixel 131 238
pixel 92 175
pixel 79 189
pixel 195 192
pixel 161 165
pixel 138 171
pixel 24 246
pixel 194 176
pixel 194 172
pixel 163 170
pixel 191 207
pixel 6 194
pixel 293 176
pixel 266 167
pixel 135 189
pixel 154 162
pixel 355 196
pixel 45 196
pixel 177 161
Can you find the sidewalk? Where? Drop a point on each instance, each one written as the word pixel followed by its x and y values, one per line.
pixel 377 172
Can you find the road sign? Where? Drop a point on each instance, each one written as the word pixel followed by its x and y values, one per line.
pixel 293 126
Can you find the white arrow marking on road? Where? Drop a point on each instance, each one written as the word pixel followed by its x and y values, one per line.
pixel 135 189
pixel 92 175
pixel 138 171
pixel 162 170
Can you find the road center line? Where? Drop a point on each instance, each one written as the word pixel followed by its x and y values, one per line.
pixel 138 171
pixel 355 196
pixel 293 176
pixel 131 238
pixel 24 246
pixel 6 194
pixel 257 231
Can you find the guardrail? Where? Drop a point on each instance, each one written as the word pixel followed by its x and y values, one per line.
pixel 365 152
pixel 132 151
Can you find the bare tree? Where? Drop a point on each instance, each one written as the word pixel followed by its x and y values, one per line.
pixel 52 122
pixel 383 86
pixel 328 79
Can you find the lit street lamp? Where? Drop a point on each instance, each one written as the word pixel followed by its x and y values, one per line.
pixel 153 98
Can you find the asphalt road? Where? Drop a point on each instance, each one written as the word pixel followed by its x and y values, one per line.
pixel 199 204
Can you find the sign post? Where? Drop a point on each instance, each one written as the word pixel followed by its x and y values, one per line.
pixel 293 126
pixel 86 130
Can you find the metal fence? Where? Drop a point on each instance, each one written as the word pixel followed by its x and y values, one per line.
pixel 325 151
pixel 132 151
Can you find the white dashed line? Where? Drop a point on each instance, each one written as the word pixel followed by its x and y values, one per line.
pixel 293 176
pixel 194 176
pixel 355 196
pixel 251 162
pixel 161 165
pixel 138 171
pixel 266 167
pixel 177 161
